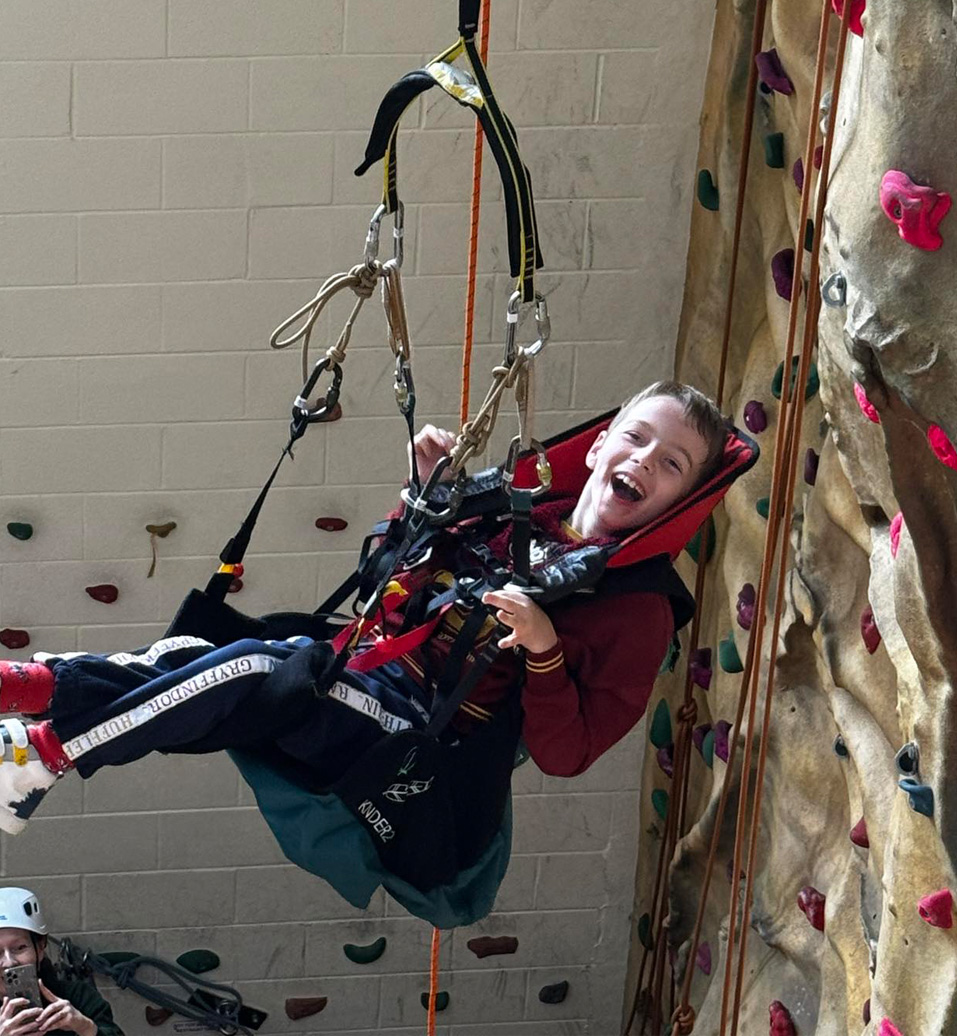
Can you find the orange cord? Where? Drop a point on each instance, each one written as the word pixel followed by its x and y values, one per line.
pixel 433 978
pixel 473 235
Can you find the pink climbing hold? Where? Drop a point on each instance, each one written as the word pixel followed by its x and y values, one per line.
pixel 897 523
pixel 811 903
pixel 857 9
pixel 746 601
pixel 703 958
pixel 772 72
pixel 916 209
pixel 870 634
pixel 942 446
pixel 782 1024
pixel 797 172
pixel 782 271
pixel 937 909
pixel 867 407
pixel 858 834
pixel 888 1028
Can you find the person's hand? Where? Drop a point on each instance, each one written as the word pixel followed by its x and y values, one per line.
pixel 61 1014
pixel 431 445
pixel 17 1017
pixel 531 628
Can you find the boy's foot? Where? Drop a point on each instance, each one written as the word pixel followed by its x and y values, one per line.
pixel 24 779
pixel 25 687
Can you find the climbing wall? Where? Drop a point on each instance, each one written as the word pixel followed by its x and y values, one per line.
pixel 850 926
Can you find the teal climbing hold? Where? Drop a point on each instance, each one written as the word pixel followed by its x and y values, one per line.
pixel 441 1000
pixel 707 191
pixel 20 530
pixel 694 544
pixel 660 733
pixel 774 150
pixel 198 961
pixel 728 655
pixel 365 954
pixel 644 932
pixel 707 749
pixel 659 799
pixel 670 660
pixel 810 389
pixel 763 506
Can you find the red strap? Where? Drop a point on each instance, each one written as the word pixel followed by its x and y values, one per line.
pixel 385 649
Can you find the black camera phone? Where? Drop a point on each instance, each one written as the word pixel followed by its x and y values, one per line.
pixel 21 981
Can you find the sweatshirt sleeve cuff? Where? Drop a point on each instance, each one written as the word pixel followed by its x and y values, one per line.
pixel 544 662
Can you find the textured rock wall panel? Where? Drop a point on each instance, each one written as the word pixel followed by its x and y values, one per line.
pixel 867 653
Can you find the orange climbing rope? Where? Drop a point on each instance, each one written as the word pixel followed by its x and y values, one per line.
pixel 473 232
pixel 433 979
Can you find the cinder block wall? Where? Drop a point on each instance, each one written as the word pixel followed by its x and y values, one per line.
pixel 175 178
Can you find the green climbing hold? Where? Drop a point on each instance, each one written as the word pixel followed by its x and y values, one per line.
pixel 810 389
pixel 809 235
pixel 707 191
pixel 441 1000
pixel 763 506
pixel 118 956
pixel 365 954
pixel 728 655
pixel 660 733
pixel 694 544
pixel 644 932
pixel 20 530
pixel 671 657
pixel 198 961
pixel 774 150
pixel 659 799
pixel 707 749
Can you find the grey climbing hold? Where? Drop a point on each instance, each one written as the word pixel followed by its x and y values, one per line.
pixel 834 290
pixel 907 760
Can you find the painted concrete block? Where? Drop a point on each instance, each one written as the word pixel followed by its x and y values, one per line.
pixel 159 899
pixel 98 845
pixel 561 823
pixel 159 782
pixel 33 30
pixel 287 893
pixel 37 250
pixel 216 838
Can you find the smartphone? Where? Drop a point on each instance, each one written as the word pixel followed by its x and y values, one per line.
pixel 22 981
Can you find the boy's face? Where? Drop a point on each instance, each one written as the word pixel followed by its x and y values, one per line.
pixel 643 465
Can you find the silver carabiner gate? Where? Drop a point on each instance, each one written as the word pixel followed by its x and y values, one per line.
pixel 371 252
pixel 543 468
pixel 543 327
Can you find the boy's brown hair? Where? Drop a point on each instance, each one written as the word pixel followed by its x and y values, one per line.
pixel 699 411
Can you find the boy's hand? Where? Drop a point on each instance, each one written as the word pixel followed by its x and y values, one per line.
pixel 531 628
pixel 431 445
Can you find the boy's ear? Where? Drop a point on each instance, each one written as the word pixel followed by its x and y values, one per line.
pixel 591 457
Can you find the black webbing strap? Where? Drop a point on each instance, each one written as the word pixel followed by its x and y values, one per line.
pixel 521 534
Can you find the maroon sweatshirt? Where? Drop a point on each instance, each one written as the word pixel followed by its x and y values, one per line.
pixel 591 688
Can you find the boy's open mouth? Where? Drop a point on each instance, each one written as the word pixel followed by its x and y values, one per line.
pixel 625 488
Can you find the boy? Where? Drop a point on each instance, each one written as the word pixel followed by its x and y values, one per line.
pixel 585 683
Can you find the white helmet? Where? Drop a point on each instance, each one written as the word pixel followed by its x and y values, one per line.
pixel 20 908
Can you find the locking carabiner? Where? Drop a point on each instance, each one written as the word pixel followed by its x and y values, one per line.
pixel 543 468
pixel 371 252
pixel 543 327
pixel 302 413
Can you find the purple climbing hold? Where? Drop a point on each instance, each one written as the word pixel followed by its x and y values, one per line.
pixel 797 171
pixel 666 760
pixel 755 416
pixel 859 836
pixel 772 72
pixel 721 731
pixel 703 958
pixel 746 600
pixel 700 666
pixel 811 460
pixel 782 270
pixel 698 735
pixel 870 634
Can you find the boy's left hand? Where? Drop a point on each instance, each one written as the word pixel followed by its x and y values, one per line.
pixel 531 628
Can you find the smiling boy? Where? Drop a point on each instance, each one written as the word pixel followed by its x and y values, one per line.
pixel 586 671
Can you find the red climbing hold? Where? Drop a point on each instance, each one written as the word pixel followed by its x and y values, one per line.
pixel 819 156
pixel 782 271
pixel 14 639
pixel 867 407
pixel 916 209
pixel 854 21
pixel 772 72
pixel 897 523
pixel 755 417
pixel 888 1028
pixel 859 834
pixel 782 1024
pixel 746 600
pixel 812 903
pixel 492 945
pixel 937 909
pixel 942 446
pixel 105 593
pixel 869 631
pixel 866 1011
pixel 331 524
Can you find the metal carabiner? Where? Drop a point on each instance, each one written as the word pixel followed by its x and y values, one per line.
pixel 543 468
pixel 302 413
pixel 543 327
pixel 371 252
pixel 404 387
pixel 834 290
